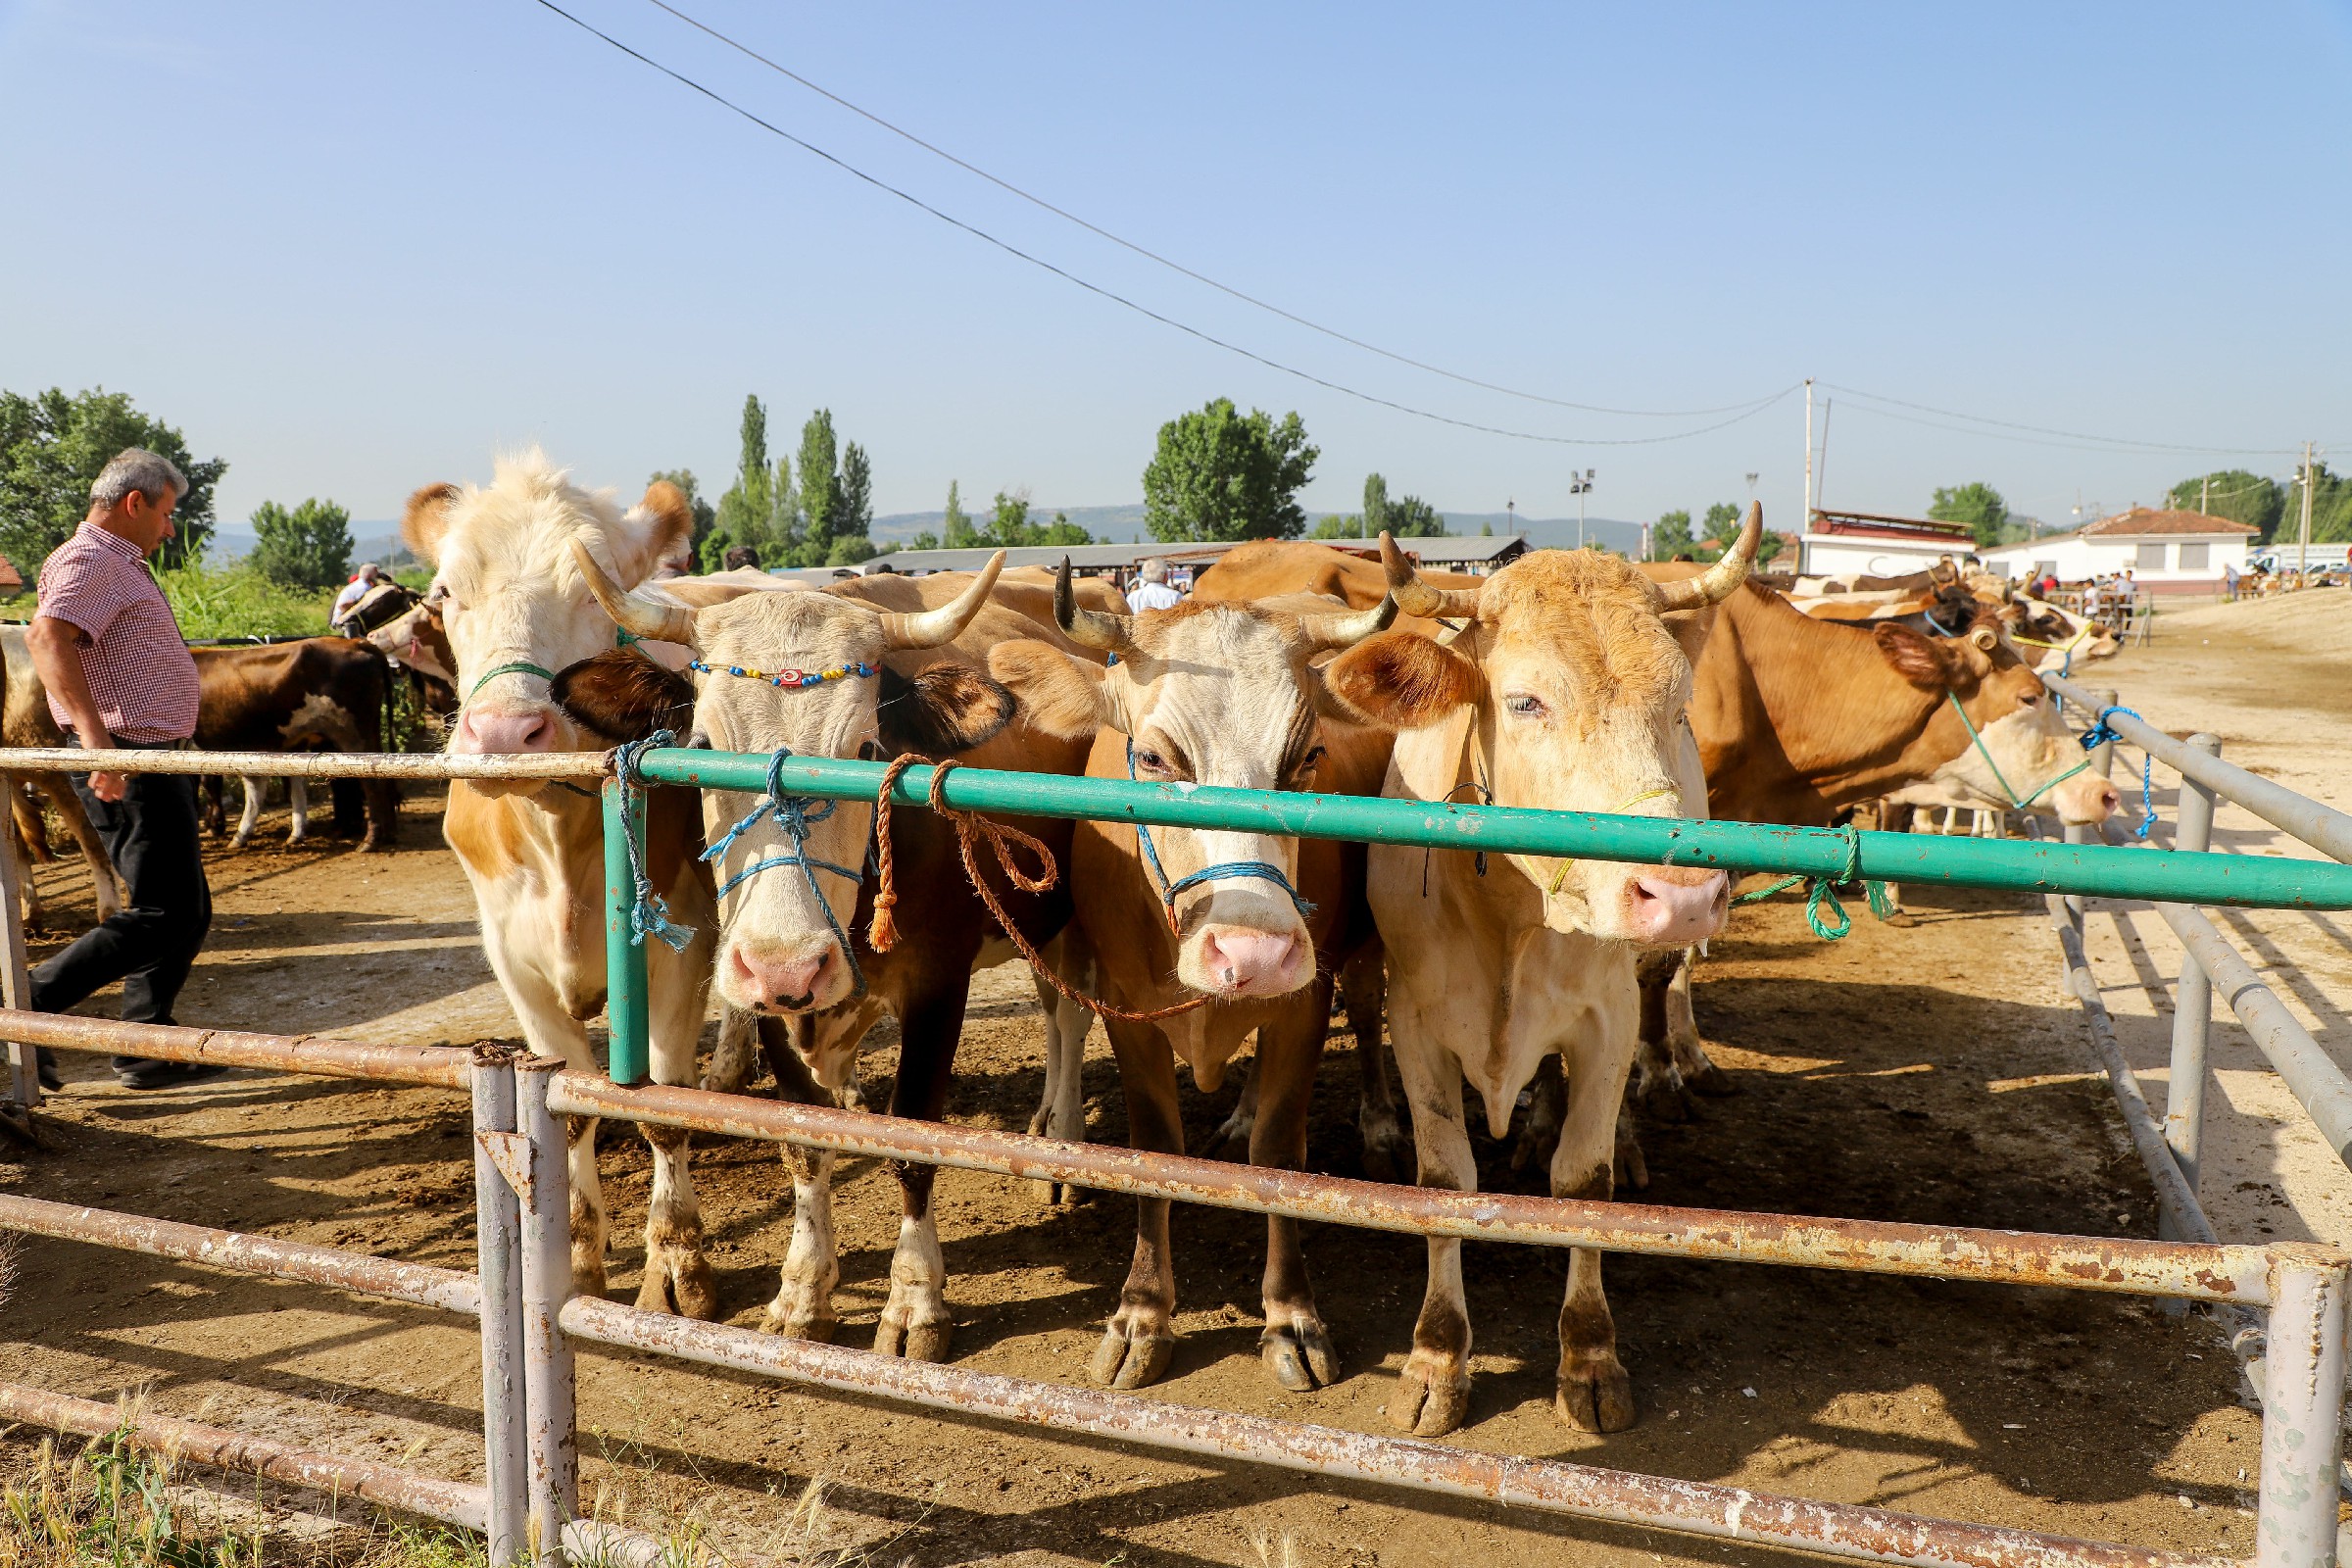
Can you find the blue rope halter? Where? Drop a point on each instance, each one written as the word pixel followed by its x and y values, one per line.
pixel 794 814
pixel 649 914
pixel 2099 735
pixel 1223 871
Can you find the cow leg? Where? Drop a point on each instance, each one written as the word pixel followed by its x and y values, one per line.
pixel 1689 1052
pixel 1898 818
pixel 216 817
pixel 549 1030
pixel 12 845
pixel 803 1306
pixel 678 1273
pixel 1231 1140
pixel 382 800
pixel 1539 1129
pixel 1657 1088
pixel 1432 1393
pixel 104 891
pixel 1295 1346
pixel 1625 1163
pixel 916 1321
pixel 735 1057
pixel 25 809
pixel 1062 1105
pixel 1140 1340
pixel 252 816
pixel 1593 1392
pixel 298 810
pixel 1364 990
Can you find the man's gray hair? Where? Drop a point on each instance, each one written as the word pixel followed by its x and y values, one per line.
pixel 138 468
pixel 1155 571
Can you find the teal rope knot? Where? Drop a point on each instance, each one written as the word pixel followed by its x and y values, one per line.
pixel 2100 734
pixel 649 912
pixel 1821 901
pixel 794 815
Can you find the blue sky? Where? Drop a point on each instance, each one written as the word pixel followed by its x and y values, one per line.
pixel 395 238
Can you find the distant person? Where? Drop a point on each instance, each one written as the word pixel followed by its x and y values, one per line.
pixel 364 582
pixel 742 558
pixel 119 673
pixel 1154 592
pixel 2228 581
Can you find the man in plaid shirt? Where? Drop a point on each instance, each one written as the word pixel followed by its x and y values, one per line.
pixel 119 673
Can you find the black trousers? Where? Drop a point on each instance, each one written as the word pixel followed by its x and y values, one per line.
pixel 167 905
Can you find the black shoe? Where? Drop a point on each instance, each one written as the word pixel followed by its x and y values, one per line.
pixel 167 1075
pixel 45 1061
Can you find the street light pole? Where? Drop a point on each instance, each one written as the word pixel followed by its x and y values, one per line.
pixel 1578 486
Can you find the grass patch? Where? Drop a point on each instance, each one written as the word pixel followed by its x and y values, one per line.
pixel 236 600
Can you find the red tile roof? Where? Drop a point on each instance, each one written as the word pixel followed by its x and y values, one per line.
pixel 2144 521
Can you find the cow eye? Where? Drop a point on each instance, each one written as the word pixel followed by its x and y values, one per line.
pixel 2029 697
pixel 1151 759
pixel 1525 706
pixel 1308 761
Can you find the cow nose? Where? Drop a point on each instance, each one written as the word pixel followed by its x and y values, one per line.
pixel 775 982
pixel 1666 912
pixel 1250 963
pixel 2108 799
pixel 484 731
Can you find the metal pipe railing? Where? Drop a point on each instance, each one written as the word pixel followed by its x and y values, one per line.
pixel 2192 996
pixel 2319 1085
pixel 2322 826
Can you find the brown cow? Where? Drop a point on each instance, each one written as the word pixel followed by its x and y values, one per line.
pixel 1253 925
pixel 320 694
pixel 26 721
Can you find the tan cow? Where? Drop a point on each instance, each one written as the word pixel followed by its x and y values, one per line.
pixel 1564 690
pixel 1252 925
pixel 517 611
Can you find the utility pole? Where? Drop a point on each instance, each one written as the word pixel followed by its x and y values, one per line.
pixel 2303 556
pixel 2205 495
pixel 1805 518
pixel 1578 486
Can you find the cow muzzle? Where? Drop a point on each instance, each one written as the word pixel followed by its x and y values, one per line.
pixel 2085 800
pixel 505 731
pixel 1236 962
pixel 777 981
pixel 1674 908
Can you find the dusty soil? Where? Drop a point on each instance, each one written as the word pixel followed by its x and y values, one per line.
pixel 1928 1074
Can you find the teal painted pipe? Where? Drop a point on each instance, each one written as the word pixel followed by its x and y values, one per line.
pixel 2163 875
pixel 624 964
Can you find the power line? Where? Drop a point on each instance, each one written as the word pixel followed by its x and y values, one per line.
pixel 1172 264
pixel 1748 410
pixel 2075 438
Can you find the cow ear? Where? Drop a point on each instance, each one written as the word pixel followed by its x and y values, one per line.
pixel 648 534
pixel 1691 629
pixel 624 696
pixel 427 520
pixel 949 707
pixel 1913 656
pixel 1067 698
pixel 1401 680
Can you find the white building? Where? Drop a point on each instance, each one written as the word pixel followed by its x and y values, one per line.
pixel 2166 552
pixel 1859 544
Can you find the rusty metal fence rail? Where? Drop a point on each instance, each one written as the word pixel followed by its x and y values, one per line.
pixel 520 1296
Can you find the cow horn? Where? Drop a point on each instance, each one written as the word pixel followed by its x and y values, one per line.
pixel 929 628
pixel 1349 627
pixel 1417 597
pixel 1089 628
pixel 1715 584
pixel 636 614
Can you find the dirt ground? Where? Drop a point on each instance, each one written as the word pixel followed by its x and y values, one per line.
pixel 1928 1074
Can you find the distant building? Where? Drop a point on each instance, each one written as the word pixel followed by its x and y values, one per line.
pixel 12 581
pixel 2167 552
pixel 1863 544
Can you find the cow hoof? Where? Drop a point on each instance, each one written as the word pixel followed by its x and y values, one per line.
pixel 1711 1080
pixel 1132 1355
pixel 587 1279
pixel 1901 921
pixel 799 1322
pixel 681 1285
pixel 913 1342
pixel 1055 1194
pixel 1665 1097
pixel 1232 1140
pixel 1598 1397
pixel 1300 1356
pixel 1387 1154
pixel 1428 1403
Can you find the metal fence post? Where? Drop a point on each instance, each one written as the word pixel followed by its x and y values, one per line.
pixel 2302 1408
pixel 2192 1009
pixel 626 1051
pixel 501 1170
pixel 554 1439
pixel 22 1086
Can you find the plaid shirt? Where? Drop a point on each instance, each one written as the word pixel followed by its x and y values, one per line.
pixel 138 665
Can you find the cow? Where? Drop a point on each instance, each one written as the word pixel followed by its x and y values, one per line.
pixel 801 940
pixel 417 644
pixel 1565 689
pixel 26 721
pixel 518 610
pixel 317 694
pixel 1238 931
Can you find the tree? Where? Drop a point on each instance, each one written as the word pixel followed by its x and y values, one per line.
pixel 51 446
pixel 1334 527
pixel 2236 495
pixel 1976 503
pixel 2330 507
pixel 856 494
pixel 705 513
pixel 1721 522
pixel 1670 535
pixel 1376 505
pixel 1010 527
pixel 955 530
pixel 307 549
pixel 757 509
pixel 820 488
pixel 1218 474
pixel 1411 517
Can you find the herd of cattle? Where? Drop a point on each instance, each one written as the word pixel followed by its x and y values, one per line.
pixel 1568 680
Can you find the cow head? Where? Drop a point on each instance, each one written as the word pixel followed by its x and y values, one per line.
pixel 517 606
pixel 1980 668
pixel 2016 758
pixel 1574 669
pixel 779 947
pixel 1224 694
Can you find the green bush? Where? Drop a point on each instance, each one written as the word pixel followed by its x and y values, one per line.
pixel 239 602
